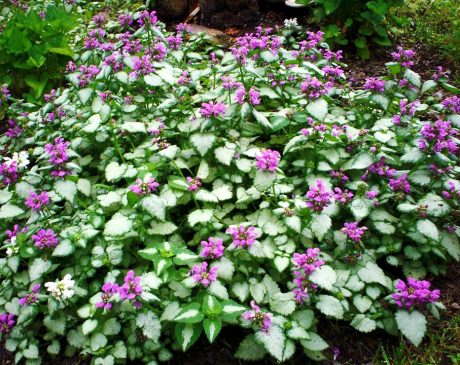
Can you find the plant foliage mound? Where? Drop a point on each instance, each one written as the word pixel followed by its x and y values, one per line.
pixel 174 188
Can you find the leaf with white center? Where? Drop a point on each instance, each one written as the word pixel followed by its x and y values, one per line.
pixel 315 343
pixel 381 100
pixel 264 180
pixel 38 268
pixel 258 292
pixel 293 142
pixel 420 177
pixel 362 303
pixel 281 263
pixel 273 341
pixel 5 196
pixel 224 155
pixel 330 306
pixel 412 325
pixel 361 207
pixel 167 75
pixel 85 94
pixel 320 224
pixel 64 248
pixel 206 196
pixel 89 326
pixel 109 200
pixel 225 268
pixel 114 171
pixel 428 85
pixel 190 314
pixel 428 229
pixel 162 229
pixel 435 205
pixel 317 109
pixel 218 290
pixel 261 119
pixel 154 206
pixel 451 244
pixel 84 186
pixel 10 211
pixel 325 277
pixel 202 142
pixel 250 350
pixel 372 273
pixel 406 207
pixel 231 309
pixel 98 341
pixel 361 161
pixel 363 323
pixel 203 170
pixel 150 324
pixel 56 324
pixel 384 227
pixel 122 77
pixel 223 192
pixel 212 328
pixel 111 327
pixel 31 352
pixel 282 303
pixel 199 216
pixel 413 77
pixel 119 225
pixel 184 256
pixel 413 155
pixel 76 338
pixel 134 127
pixel 241 290
pixel 187 334
pixel 153 80
pixel 298 333
pixel 92 124
pixel 170 312
pixel 66 189
pixel 294 223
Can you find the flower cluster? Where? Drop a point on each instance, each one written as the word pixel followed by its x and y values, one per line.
pixel 6 322
pixel 314 88
pixel 352 231
pixel 262 320
pixel 31 297
pixel 58 157
pixel 45 238
pixel 253 95
pixel 200 274
pixel 144 187
pixel 404 56
pixel 436 137
pixel 318 197
pixel 213 248
pixel 268 160
pixel 109 290
pixel 305 264
pixel 37 201
pixel 374 84
pixel 414 292
pixel 242 237
pixel 194 184
pixel 61 289
pixel 212 109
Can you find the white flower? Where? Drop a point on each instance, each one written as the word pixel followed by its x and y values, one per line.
pixel 12 248
pixel 288 23
pixel 61 289
pixel 21 159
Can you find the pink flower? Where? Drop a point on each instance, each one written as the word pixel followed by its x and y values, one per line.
pixel 45 238
pixel 6 322
pixel 318 197
pixel 213 248
pixel 415 292
pixel 109 290
pixel 31 297
pixel 211 109
pixel 37 201
pixel 201 275
pixel 353 232
pixel 262 320
pixel 374 84
pixel 268 160
pixel 144 188
pixel 343 196
pixel 242 237
pixel 131 290
pixel 194 183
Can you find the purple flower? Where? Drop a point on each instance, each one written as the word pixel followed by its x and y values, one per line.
pixel 6 322
pixel 374 84
pixel 314 88
pixel 109 290
pixel 45 238
pixel 131 290
pixel 240 94
pixel 440 74
pixel 318 197
pixel 212 109
pixel 379 168
pixel 401 184
pixel 352 231
pixel 30 298
pixel 13 130
pixel 213 248
pixel 193 183
pixel 262 320
pixel 125 20
pixel 308 261
pixel 87 73
pixel 242 237
pixel 146 18
pixel 174 42
pixel 144 188
pixel 142 66
pixel 183 28
pixel 115 60
pixel 437 136
pixel 254 96
pixel 414 292
pixel 184 79
pixel 452 104
pixel 404 56
pixel 340 176
pixel 343 196
pixel 8 173
pixel 37 201
pixel 268 160
pixel 201 275
pixel 57 151
pixel 99 20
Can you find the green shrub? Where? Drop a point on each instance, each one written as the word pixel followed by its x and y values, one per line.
pixel 35 50
pixel 354 20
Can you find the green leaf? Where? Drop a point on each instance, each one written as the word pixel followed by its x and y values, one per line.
pixel 261 119
pixel 320 224
pixel 363 323
pixel 325 277
pixel 250 350
pixel 187 334
pixel 10 211
pixel 330 306
pixel 190 314
pixel 318 109
pixel 412 325
pixel 372 273
pixel 212 328
pixel 66 189
pixel 17 42
pixel 37 83
pixel 202 142
pixel 89 326
pixel 315 343
pixel 199 216
pixel 428 229
pixel 38 268
pixel 274 341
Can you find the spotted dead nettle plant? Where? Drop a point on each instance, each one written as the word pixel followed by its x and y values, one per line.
pixel 175 188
